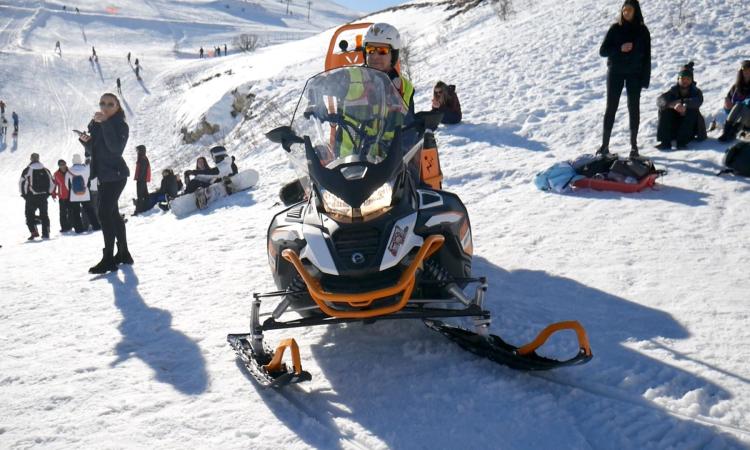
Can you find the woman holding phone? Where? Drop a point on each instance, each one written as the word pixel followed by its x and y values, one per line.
pixel 627 48
pixel 105 142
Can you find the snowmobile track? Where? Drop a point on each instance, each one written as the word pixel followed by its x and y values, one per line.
pixel 616 395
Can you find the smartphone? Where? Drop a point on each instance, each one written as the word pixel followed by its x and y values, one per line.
pixel 78 132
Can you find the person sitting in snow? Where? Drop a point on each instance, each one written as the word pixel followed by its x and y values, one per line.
pixel 680 118
pixel 169 189
pixel 204 178
pixel 737 104
pixel 445 100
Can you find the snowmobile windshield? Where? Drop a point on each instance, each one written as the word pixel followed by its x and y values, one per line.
pixel 349 122
pixel 350 114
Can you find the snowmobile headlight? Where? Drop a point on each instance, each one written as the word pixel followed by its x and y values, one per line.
pixel 378 201
pixel 335 205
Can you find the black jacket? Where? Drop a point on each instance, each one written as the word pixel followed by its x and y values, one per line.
pixel 452 108
pixel 635 62
pixel 693 99
pixel 170 186
pixel 108 141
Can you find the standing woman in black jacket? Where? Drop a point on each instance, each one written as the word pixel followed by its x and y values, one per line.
pixel 105 142
pixel 627 47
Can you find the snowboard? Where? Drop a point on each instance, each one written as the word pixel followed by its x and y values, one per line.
pixel 203 197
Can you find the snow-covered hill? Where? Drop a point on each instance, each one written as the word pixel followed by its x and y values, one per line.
pixel 139 359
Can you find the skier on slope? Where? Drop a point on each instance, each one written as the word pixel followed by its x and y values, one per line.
pixel 77 180
pixel 204 178
pixel 14 116
pixel 36 185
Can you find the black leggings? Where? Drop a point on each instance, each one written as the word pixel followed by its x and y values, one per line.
pixel 113 227
pixel 615 83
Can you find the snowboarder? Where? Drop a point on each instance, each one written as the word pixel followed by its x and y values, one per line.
pixel 445 100
pixel 36 184
pixel 106 140
pixel 627 47
pixel 119 86
pixel 200 53
pixel 142 178
pixel 128 57
pixel 62 194
pixel 14 116
pixel 205 177
pixel 679 114
pixel 76 180
pixel 737 104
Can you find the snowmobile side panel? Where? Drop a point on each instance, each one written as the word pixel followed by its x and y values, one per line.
pixel 401 241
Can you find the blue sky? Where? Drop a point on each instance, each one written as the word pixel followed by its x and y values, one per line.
pixel 368 5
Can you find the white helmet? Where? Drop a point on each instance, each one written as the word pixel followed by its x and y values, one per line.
pixel 383 33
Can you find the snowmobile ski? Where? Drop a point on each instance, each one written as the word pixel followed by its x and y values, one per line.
pixel 267 371
pixel 525 358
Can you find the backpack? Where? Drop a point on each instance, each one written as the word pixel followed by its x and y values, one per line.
pixel 40 182
pixel 631 168
pixel 78 186
pixel 589 166
pixel 737 160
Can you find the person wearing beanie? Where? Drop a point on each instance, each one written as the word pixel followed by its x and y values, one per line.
pixel 205 177
pixel 627 47
pixel 142 178
pixel 737 104
pixel 77 182
pixel 62 194
pixel 35 185
pixel 680 118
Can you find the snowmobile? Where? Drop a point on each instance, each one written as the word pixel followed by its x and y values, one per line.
pixel 369 239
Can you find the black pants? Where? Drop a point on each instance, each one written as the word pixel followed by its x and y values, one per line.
pixel 34 203
pixel 195 184
pixel 683 129
pixel 141 189
pixel 66 215
pixel 113 227
pixel 88 212
pixel 615 83
pixel 740 114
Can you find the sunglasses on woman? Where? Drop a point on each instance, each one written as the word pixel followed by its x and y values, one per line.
pixel 438 92
pixel 371 49
pixel 107 104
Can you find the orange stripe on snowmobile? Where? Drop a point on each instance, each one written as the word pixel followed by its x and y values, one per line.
pixel 583 340
pixel 275 365
pixel 405 285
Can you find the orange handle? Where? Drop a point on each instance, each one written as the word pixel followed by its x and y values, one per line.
pixel 583 339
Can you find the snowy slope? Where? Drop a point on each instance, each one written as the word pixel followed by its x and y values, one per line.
pixel 139 359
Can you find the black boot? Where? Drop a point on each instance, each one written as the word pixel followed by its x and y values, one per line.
pixel 729 134
pixel 604 151
pixel 634 153
pixel 123 255
pixel 107 264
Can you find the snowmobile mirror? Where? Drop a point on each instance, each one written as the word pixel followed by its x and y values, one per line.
pixel 284 136
pixel 343 45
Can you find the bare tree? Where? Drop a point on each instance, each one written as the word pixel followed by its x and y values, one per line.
pixel 246 42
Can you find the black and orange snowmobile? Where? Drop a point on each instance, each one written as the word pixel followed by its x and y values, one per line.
pixel 372 237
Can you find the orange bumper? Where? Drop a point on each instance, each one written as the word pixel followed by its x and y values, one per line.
pixel 404 286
